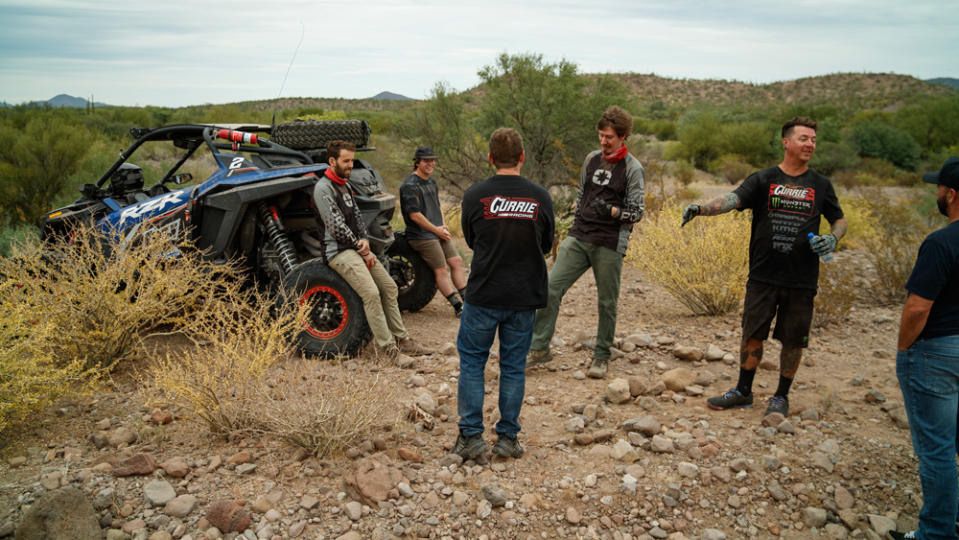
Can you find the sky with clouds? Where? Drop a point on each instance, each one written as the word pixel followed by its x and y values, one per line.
pixel 177 53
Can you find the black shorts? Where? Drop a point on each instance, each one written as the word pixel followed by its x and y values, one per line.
pixel 791 307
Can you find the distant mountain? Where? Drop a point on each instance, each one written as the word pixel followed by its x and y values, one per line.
pixel 64 100
pixel 391 95
pixel 945 81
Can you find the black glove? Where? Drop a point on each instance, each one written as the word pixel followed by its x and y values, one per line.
pixel 689 213
pixel 602 208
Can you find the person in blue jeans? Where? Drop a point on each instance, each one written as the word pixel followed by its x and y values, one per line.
pixel 508 223
pixel 927 363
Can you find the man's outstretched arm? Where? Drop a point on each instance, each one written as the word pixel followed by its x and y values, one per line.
pixel 719 205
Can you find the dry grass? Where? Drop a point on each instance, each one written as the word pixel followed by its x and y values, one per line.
pixel 71 312
pixel 892 243
pixel 835 297
pixel 703 265
pixel 325 409
pixel 237 339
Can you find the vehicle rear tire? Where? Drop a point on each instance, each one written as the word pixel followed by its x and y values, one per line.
pixel 337 323
pixel 316 134
pixel 413 277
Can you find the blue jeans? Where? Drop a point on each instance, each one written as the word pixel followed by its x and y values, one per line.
pixel 478 326
pixel 928 374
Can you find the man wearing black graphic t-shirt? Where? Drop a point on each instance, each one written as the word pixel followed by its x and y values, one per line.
pixel 787 202
pixel 508 223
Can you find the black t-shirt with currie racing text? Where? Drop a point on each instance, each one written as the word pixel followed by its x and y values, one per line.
pixel 785 209
pixel 508 222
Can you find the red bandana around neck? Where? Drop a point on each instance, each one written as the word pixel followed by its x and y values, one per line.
pixel 331 174
pixel 617 155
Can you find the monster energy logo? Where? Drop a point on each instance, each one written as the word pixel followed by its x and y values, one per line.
pixel 774 202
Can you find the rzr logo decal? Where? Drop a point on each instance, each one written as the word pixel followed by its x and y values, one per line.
pixel 137 211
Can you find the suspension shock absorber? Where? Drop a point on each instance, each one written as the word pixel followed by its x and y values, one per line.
pixel 271 222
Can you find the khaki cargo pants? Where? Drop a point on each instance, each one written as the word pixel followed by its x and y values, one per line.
pixel 378 292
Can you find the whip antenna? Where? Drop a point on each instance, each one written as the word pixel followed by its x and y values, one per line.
pixel 283 84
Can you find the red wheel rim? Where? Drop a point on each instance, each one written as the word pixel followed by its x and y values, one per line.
pixel 336 297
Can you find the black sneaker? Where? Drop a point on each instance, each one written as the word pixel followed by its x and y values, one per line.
pixel 470 447
pixel 896 535
pixel 538 357
pixel 507 447
pixel 778 404
pixel 731 399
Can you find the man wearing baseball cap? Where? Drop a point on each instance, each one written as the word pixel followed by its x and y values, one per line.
pixel 426 231
pixel 927 362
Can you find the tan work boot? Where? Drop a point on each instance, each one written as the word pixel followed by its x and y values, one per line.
pixel 598 368
pixel 411 348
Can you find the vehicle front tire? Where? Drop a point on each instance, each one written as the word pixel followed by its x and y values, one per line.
pixel 336 324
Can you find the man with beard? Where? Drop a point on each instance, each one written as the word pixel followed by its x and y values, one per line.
pixel 927 362
pixel 347 251
pixel 786 202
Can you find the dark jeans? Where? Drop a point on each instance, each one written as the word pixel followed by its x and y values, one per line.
pixel 478 326
pixel 928 375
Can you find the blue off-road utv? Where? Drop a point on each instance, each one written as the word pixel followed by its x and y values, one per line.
pixel 255 208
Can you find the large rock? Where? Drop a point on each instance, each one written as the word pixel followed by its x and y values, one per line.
pixel 177 467
pixel 228 516
pixel 140 464
pixel 158 492
pixel 690 354
pixel 617 391
pixel 121 436
pixel 678 379
pixel 64 513
pixel 372 479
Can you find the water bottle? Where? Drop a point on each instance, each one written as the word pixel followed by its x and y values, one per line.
pixel 826 257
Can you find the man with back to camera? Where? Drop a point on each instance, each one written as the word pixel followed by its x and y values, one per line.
pixel 347 251
pixel 425 230
pixel 927 362
pixel 787 202
pixel 508 222
pixel 610 200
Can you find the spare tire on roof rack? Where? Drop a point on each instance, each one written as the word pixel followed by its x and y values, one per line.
pixel 316 134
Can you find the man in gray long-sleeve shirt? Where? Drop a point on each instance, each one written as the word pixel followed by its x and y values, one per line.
pixel 347 250
pixel 610 201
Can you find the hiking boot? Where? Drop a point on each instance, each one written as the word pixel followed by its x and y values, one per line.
pixel 471 447
pixel 537 357
pixel 507 447
pixel 896 535
pixel 731 399
pixel 778 404
pixel 389 353
pixel 597 370
pixel 410 347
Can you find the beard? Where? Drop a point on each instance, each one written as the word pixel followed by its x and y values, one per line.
pixel 342 173
pixel 942 205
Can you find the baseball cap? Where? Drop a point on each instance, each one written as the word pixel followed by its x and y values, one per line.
pixel 948 175
pixel 425 152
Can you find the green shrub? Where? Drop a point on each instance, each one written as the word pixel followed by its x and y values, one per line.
pixel 874 138
pixel 893 242
pixel 733 168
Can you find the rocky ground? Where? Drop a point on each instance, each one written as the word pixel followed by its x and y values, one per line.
pixel 637 455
